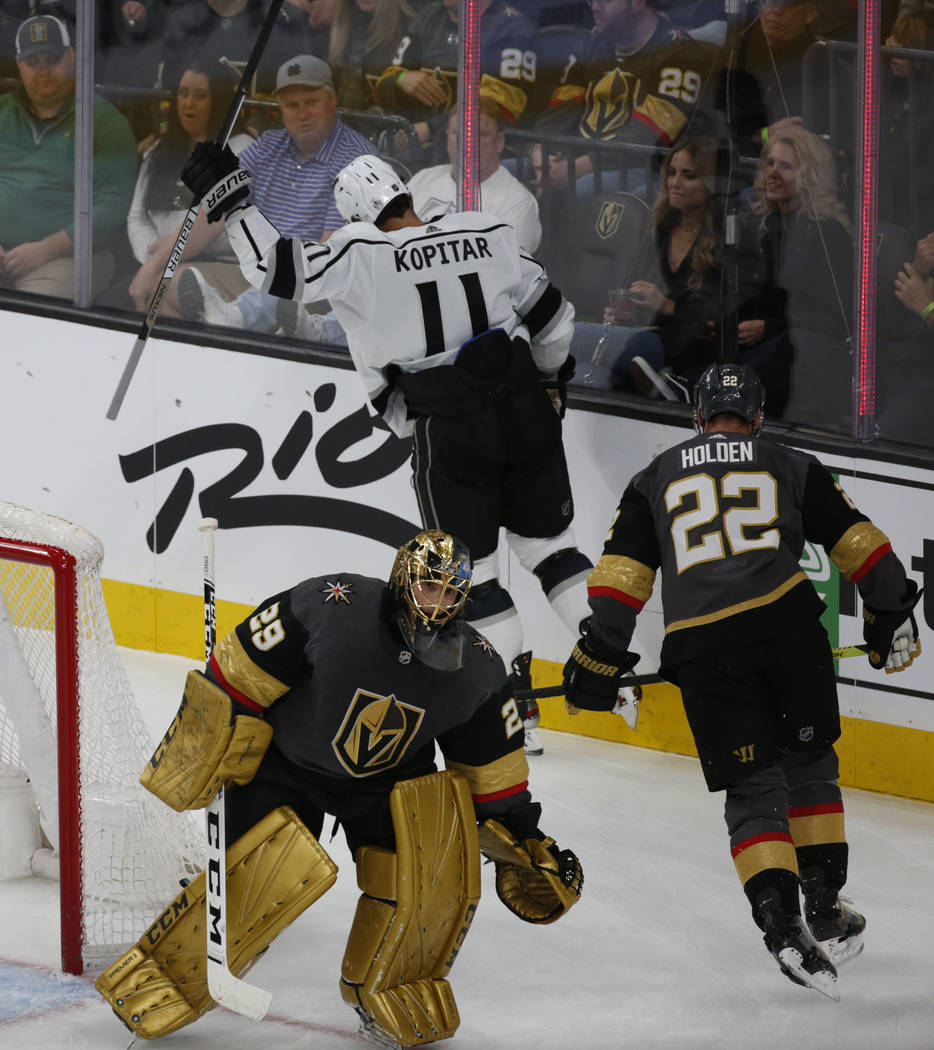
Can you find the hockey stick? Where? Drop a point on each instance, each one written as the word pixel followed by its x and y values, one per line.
pixel 226 989
pixel 182 240
pixel 653 679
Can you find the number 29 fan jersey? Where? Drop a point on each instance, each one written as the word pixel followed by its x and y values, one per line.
pixel 409 298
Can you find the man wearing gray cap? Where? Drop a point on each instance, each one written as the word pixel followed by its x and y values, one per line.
pixel 293 170
pixel 37 167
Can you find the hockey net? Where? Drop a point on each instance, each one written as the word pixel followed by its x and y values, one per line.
pixel 69 721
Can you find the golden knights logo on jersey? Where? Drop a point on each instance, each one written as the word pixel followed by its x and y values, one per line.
pixel 375 733
pixel 609 104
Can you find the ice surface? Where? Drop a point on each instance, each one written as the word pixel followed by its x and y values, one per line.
pixel 660 954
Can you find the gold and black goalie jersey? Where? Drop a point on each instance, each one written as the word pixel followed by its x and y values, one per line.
pixel 350 704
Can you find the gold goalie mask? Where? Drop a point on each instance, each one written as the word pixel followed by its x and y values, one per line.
pixel 429 583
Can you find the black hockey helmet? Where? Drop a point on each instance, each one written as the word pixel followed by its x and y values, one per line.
pixel 729 388
pixel 430 557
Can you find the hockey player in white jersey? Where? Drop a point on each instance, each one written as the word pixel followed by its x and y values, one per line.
pixel 462 343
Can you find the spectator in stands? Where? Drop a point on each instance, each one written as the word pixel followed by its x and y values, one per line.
pixel 640 80
pixel 906 128
pixel 37 168
pixel 804 234
pixel 434 190
pixel 421 81
pixel 365 34
pixel 434 193
pixel 161 200
pixel 220 32
pixel 914 287
pixel 769 82
pixel 293 170
pixel 677 289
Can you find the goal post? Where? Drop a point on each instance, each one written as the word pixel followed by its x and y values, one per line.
pixel 69 722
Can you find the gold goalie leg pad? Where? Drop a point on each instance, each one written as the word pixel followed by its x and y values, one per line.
pixel 274 872
pixel 416 909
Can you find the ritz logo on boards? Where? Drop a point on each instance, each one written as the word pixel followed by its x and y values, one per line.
pixel 224 499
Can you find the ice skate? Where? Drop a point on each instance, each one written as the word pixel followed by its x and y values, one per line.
pixel 371 1031
pixel 798 954
pixel 837 928
pixel 533 743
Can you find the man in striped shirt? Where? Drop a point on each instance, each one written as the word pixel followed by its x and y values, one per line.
pixel 292 170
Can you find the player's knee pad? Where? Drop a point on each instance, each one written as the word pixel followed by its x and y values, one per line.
pixel 415 910
pixel 274 872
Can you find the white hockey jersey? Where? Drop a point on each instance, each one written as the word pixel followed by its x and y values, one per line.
pixel 411 297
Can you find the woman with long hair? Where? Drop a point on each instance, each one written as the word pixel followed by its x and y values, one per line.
pixel 675 294
pixel 365 35
pixel 196 113
pixel 800 256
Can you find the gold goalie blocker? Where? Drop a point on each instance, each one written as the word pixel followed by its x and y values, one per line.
pixel 415 909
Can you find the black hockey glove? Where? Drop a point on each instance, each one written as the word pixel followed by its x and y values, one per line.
pixel 593 676
pixel 215 177
pixel 557 387
pixel 892 636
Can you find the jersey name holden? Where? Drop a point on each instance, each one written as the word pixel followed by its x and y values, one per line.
pixel 424 258
pixel 717 452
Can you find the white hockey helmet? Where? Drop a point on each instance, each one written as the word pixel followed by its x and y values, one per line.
pixel 364 187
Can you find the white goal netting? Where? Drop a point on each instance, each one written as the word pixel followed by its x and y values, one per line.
pixel 57 670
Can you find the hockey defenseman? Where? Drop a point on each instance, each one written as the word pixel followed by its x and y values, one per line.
pixel 725 516
pixel 462 343
pixel 330 699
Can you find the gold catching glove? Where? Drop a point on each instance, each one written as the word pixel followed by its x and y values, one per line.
pixel 534 879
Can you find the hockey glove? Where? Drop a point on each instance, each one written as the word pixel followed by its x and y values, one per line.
pixel 215 177
pixel 534 879
pixel 892 637
pixel 557 386
pixel 593 676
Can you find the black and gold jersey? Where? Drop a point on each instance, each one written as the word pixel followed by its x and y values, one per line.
pixel 646 97
pixel 507 52
pixel 350 703
pixel 725 516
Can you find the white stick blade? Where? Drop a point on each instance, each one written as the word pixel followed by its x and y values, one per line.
pixel 233 994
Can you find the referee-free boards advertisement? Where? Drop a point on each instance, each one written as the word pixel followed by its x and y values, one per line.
pixel 305 480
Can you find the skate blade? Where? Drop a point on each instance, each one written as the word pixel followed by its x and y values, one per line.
pixel 370 1031
pixel 824 981
pixel 840 950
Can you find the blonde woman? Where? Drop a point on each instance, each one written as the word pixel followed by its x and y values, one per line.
pixel 802 236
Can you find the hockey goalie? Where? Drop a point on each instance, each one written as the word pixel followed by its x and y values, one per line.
pixel 329 699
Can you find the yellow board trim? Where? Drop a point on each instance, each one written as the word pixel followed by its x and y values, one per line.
pixel 873 756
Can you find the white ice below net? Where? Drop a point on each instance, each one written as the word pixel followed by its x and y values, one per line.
pixel 135 850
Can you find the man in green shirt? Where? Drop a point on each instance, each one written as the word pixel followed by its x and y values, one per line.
pixel 37 168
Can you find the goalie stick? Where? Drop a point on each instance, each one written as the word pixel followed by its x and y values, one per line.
pixel 653 679
pixel 226 989
pixel 183 234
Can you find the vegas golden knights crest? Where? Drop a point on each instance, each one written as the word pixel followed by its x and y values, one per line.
pixel 375 733
pixel 609 104
pixel 609 218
